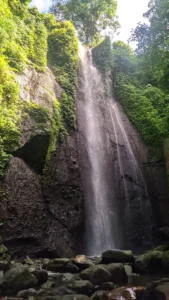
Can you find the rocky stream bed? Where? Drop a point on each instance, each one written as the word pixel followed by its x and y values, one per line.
pixel 116 275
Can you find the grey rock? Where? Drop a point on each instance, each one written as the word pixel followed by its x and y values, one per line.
pixel 41 276
pixel 117 271
pixel 65 297
pixel 18 278
pixel 149 262
pixel 75 297
pixel 82 262
pixel 165 260
pixel 107 286
pixel 82 287
pixel 25 293
pixel 159 290
pixel 30 229
pixel 3 249
pixel 62 266
pixel 113 256
pixel 47 285
pixel 67 277
pixel 4 264
pixel 96 274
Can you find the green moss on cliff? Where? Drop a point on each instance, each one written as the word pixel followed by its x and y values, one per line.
pixel 57 128
pixel 63 61
pixel 38 113
pixel 9 113
pixel 23 36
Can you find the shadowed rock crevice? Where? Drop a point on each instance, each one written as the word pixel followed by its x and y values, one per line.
pixel 34 152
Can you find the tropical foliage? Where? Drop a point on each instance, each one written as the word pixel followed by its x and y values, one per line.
pixel 26 36
pixel 90 17
pixel 142 79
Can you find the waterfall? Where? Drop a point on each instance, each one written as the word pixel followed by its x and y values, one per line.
pixel 116 200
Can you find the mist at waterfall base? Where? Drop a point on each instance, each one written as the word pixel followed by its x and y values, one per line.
pixel 117 208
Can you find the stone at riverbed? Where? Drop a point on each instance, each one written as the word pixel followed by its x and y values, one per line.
pixel 117 271
pixel 26 293
pixel 165 260
pixel 149 262
pixel 158 290
pixel 41 276
pixel 3 249
pixel 66 297
pixel 1 241
pixel 107 286
pixel 61 266
pixel 4 264
pixel 113 256
pixel 82 286
pixel 82 262
pixel 96 274
pixel 19 278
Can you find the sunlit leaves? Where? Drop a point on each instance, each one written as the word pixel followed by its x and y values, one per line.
pixel 89 17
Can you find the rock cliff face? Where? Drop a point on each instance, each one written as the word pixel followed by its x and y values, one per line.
pixel 41 216
pixel 44 215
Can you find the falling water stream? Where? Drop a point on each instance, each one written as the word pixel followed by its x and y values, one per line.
pixel 116 198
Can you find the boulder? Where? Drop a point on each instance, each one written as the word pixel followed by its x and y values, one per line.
pixel 26 293
pixel 149 262
pixel 65 297
pixel 165 260
pixel 82 287
pixel 3 249
pixel 113 256
pixel 67 277
pixel 96 274
pixel 107 286
pixel 4 264
pixel 75 297
pixel 41 276
pixel 19 278
pixel 82 262
pixel 62 266
pixel 158 290
pixel 117 271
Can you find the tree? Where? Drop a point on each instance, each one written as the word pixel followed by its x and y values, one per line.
pixel 92 18
pixel 153 41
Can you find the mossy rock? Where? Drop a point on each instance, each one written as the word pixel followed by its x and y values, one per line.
pixel 165 260
pixel 3 249
pixel 4 264
pixel 113 256
pixel 118 273
pixel 82 286
pixel 149 262
pixel 96 274
pixel 18 278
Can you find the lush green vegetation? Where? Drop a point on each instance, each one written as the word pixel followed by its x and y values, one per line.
pixel 90 17
pixel 102 55
pixel 26 36
pixel 141 78
pixel 58 130
pixel 38 113
pixel 63 61
pixel 23 41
